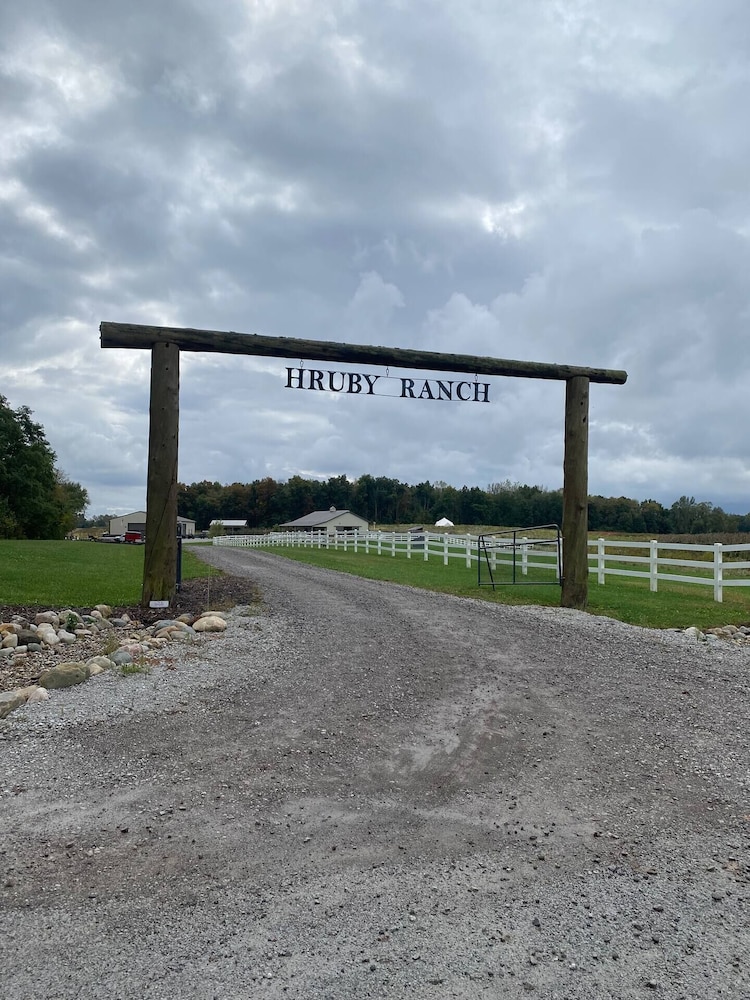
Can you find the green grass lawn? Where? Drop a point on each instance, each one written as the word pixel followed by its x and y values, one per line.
pixel 78 574
pixel 629 600
pixel 82 574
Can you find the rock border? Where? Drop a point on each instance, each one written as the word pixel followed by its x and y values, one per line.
pixel 119 643
pixel 738 634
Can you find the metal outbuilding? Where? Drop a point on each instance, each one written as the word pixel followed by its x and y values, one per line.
pixel 136 521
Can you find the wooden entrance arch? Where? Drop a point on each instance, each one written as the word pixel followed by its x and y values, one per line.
pixel 165 344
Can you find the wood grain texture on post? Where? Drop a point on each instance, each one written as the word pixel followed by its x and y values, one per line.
pixel 160 557
pixel 575 587
pixel 131 335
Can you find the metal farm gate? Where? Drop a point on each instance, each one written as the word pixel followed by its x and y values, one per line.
pixel 512 553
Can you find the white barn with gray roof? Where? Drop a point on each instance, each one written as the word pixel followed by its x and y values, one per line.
pixel 331 521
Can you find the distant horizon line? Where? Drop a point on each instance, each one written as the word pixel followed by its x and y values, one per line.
pixel 728 506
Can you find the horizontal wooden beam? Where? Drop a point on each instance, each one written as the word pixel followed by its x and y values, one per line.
pixel 130 335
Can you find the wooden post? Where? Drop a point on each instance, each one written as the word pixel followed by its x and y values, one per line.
pixel 160 566
pixel 217 341
pixel 575 584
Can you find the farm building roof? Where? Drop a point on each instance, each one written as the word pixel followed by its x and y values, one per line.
pixel 316 517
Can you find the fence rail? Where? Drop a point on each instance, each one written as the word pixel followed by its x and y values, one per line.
pixel 720 566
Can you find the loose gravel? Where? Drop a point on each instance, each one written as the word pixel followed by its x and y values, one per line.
pixel 365 790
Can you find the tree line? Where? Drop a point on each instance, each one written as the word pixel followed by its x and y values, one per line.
pixel 267 503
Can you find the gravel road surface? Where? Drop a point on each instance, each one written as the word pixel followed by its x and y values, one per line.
pixel 364 790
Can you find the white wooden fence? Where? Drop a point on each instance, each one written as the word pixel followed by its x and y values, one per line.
pixel 721 565
pixel 410 544
pixel 649 562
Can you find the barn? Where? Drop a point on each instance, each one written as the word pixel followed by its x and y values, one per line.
pixel 331 521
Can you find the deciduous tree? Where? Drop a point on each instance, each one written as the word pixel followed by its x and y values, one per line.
pixel 37 500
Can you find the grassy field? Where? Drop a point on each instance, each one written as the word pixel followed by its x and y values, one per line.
pixel 78 574
pixel 81 574
pixel 674 606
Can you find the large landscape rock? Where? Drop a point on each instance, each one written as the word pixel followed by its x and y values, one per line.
pixel 210 623
pixel 9 702
pixel 64 675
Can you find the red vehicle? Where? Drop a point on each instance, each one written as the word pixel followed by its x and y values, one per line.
pixel 134 537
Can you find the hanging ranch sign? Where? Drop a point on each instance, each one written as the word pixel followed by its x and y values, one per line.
pixel 166 343
pixel 357 383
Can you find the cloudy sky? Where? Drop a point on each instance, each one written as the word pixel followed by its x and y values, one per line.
pixel 562 181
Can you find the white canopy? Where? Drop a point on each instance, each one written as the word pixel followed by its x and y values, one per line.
pixel 443 523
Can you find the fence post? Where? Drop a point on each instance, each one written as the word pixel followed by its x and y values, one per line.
pixel 468 551
pixel 393 543
pixel 653 565
pixel 445 549
pixel 600 564
pixel 426 546
pixel 380 543
pixel 524 556
pixel 408 546
pixel 718 572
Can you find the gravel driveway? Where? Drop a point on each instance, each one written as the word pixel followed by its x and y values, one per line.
pixel 364 790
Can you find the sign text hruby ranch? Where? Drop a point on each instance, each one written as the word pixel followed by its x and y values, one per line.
pixel 357 383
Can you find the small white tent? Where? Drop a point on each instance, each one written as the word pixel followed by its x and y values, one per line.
pixel 443 523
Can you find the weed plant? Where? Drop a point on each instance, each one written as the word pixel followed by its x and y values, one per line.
pixel 136 667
